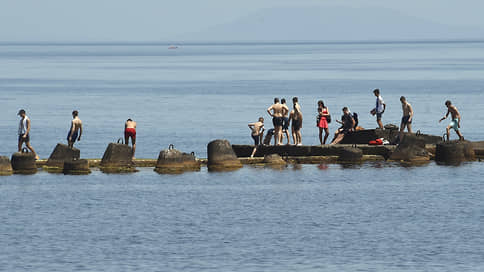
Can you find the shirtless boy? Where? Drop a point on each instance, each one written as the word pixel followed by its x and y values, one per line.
pixel 257 133
pixel 455 123
pixel 24 133
pixel 277 111
pixel 407 117
pixel 130 132
pixel 296 118
pixel 76 129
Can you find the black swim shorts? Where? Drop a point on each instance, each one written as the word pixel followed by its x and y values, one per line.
pixel 278 121
pixel 405 120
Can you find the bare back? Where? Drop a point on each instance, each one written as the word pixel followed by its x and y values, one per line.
pixel 76 124
pixel 278 110
pixel 256 128
pixel 130 124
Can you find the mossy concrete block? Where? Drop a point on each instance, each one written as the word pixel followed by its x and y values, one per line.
pixel 24 163
pixel 62 153
pixel 221 156
pixel 172 161
pixel 5 166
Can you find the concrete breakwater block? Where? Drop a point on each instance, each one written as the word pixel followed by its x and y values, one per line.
pixel 76 167
pixel 350 155
pixel 5 166
pixel 60 154
pixel 454 152
pixel 274 159
pixel 411 148
pixel 24 162
pixel 221 156
pixel 117 159
pixel 173 161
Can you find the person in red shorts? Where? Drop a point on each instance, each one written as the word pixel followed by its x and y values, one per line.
pixel 130 132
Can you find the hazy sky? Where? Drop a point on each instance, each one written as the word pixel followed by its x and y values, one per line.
pixel 161 20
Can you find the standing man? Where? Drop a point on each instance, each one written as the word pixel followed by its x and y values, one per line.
pixel 76 129
pixel 379 109
pixel 277 111
pixel 296 118
pixel 285 123
pixel 130 132
pixel 407 117
pixel 24 132
pixel 455 123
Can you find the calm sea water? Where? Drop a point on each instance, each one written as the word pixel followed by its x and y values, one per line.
pixel 376 216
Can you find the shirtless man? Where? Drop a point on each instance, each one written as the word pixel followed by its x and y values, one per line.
pixel 130 132
pixel 285 124
pixel 257 133
pixel 24 133
pixel 407 117
pixel 455 123
pixel 277 111
pixel 296 117
pixel 76 129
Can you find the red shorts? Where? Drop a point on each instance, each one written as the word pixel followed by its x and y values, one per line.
pixel 130 132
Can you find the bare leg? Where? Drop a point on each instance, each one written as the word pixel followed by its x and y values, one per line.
pixel 326 134
pixel 321 135
pixel 299 137
pixel 380 124
pixel 339 137
pixel 409 127
pixel 402 129
pixel 133 141
pixel 32 149
pixel 126 139
pixel 460 135
pixel 277 135
pixel 294 136
pixel 287 136
pixel 448 133
pixel 19 146
pixel 253 151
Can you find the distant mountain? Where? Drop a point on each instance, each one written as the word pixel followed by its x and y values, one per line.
pixel 333 24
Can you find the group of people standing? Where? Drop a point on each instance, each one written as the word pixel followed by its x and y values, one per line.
pixel 282 118
pixel 74 134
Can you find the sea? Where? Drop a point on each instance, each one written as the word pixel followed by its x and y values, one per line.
pixel 377 216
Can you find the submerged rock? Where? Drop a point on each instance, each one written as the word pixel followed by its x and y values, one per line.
pixel 274 159
pixel 24 162
pixel 221 156
pixel 5 166
pixel 172 161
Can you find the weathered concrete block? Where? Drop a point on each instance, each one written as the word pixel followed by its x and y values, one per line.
pixel 172 161
pixel 274 159
pixel 117 158
pixel 24 162
pixel 5 166
pixel 76 167
pixel 454 152
pixel 62 153
pixel 221 156
pixel 350 155
pixel 411 148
